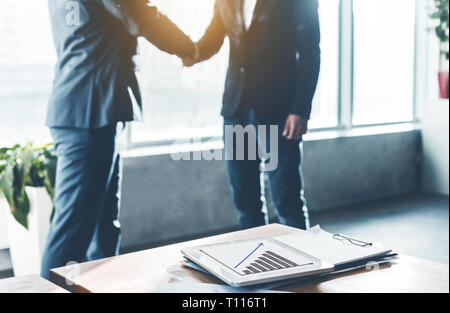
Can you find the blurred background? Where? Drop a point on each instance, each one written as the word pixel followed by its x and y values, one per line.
pixel 376 161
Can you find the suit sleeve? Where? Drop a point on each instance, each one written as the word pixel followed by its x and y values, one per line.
pixel 214 36
pixel 141 19
pixel 307 41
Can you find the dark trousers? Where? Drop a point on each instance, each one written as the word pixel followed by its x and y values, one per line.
pixel 85 224
pixel 285 182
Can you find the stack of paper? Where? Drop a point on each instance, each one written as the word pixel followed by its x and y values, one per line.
pixel 344 252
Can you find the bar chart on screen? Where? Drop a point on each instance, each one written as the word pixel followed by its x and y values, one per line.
pixel 254 257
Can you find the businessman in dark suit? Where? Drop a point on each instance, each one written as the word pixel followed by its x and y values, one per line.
pixel 94 91
pixel 273 72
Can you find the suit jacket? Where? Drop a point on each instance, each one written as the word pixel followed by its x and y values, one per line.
pixel 274 66
pixel 95 83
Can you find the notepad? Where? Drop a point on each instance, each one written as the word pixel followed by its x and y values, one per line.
pixel 325 246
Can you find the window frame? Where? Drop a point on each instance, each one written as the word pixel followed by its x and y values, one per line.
pixel 345 86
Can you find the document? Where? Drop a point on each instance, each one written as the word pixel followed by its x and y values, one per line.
pixel 331 247
pixel 248 258
pixel 266 286
pixel 278 284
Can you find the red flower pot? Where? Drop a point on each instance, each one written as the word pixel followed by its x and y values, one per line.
pixel 443 84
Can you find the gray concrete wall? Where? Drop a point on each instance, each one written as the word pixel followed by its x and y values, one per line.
pixel 166 200
pixel 351 170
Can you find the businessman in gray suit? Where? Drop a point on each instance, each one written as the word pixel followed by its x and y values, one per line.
pixel 95 90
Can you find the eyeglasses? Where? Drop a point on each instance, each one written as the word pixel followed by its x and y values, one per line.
pixel 353 241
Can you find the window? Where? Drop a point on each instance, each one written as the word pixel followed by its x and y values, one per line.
pixel 325 103
pixel 184 103
pixel 383 61
pixel 181 103
pixel 27 58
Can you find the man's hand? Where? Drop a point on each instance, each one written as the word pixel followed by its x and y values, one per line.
pixel 191 61
pixel 296 126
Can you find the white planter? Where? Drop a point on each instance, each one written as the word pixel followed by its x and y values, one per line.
pixel 3 227
pixel 26 245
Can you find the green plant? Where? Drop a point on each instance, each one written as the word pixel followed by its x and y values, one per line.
pixel 439 12
pixel 22 166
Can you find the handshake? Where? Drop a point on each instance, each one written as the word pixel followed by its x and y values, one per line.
pixel 191 61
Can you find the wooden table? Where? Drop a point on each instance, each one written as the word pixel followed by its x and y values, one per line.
pixel 29 284
pixel 146 271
